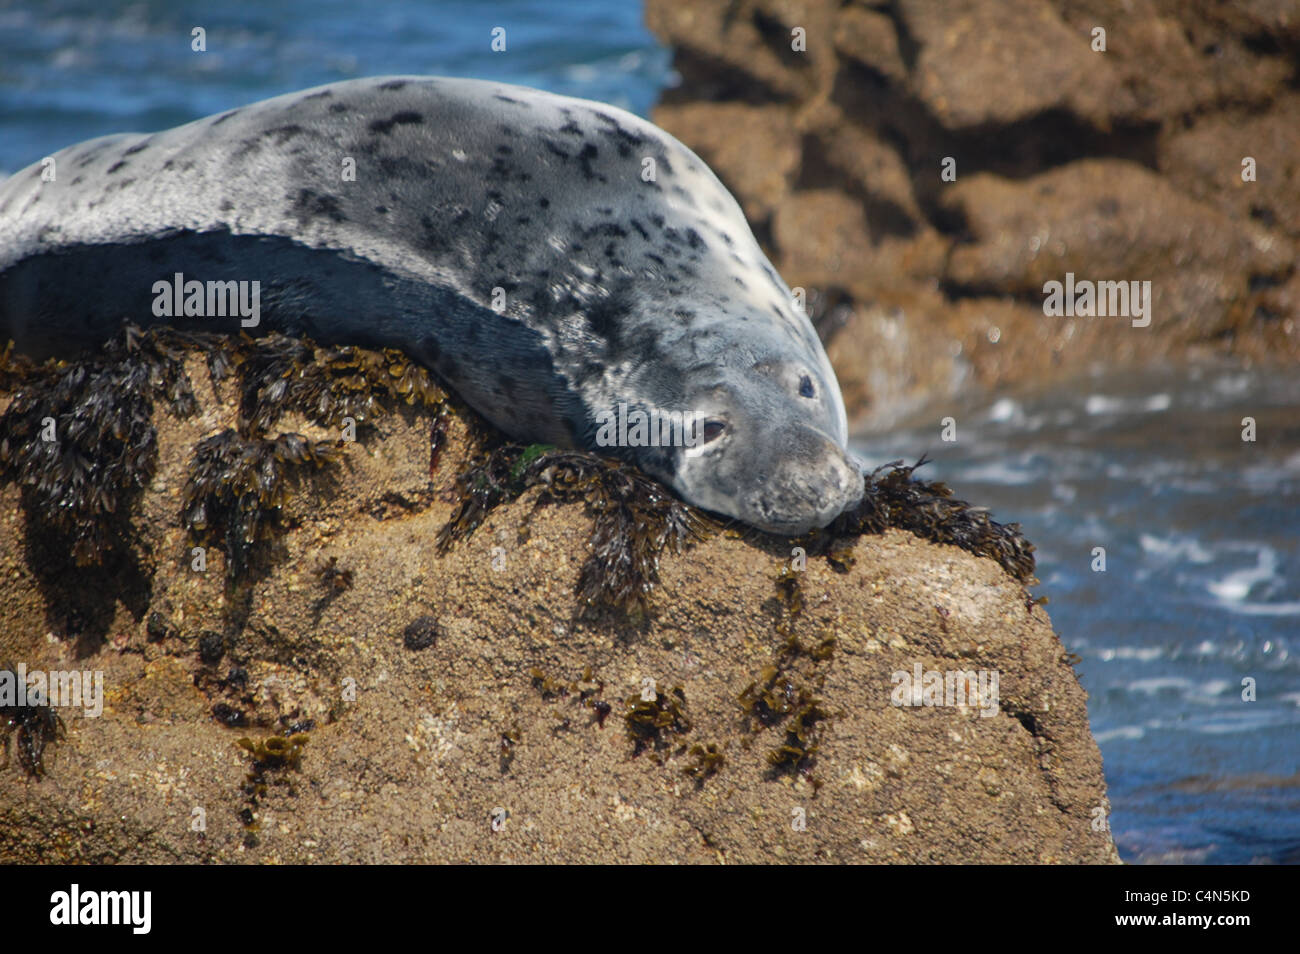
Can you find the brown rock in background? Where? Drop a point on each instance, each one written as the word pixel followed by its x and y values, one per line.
pixel 1192 56
pixel 1206 163
pixel 980 63
pixel 760 147
pixel 1103 217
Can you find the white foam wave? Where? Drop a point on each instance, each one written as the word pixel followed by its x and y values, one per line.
pixel 1098 404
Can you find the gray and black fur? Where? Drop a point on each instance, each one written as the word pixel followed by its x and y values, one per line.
pixel 617 289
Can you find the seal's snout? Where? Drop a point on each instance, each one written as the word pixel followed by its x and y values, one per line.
pixel 812 483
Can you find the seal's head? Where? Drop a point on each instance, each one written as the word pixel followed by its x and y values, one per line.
pixel 769 441
pixel 771 449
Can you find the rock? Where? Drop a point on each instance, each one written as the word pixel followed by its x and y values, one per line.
pixel 1176 59
pixel 1205 161
pixel 754 150
pixel 817 229
pixel 745 715
pixel 822 237
pixel 890 330
pixel 1108 220
pixel 870 38
pixel 976 343
pixel 867 167
pixel 1030 61
pixel 754 53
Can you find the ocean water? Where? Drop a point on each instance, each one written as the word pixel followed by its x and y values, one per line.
pixel 1202 532
pixel 74 69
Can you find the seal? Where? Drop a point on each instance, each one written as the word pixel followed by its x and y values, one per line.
pixel 556 261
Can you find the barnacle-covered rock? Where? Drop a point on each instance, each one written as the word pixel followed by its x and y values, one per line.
pixel 497 652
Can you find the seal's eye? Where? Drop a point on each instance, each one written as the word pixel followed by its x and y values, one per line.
pixel 806 387
pixel 713 430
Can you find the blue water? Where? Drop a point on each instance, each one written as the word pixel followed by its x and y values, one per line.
pixel 1201 586
pixel 74 69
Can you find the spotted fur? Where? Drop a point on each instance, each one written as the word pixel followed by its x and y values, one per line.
pixel 617 287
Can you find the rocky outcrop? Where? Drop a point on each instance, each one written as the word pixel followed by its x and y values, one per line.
pixel 1122 163
pixel 424 645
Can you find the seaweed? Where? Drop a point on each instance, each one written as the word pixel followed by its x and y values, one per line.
pixel 548 687
pixel 15 369
pixel 707 761
pixel 237 487
pixel 636 518
pixel 325 384
pixel 81 476
pixel 929 510
pixel 507 745
pixel 781 693
pixel 585 696
pixel 650 721
pixel 772 696
pixel 274 754
pixel 798 751
pixel 483 486
pixel 238 483
pixel 34 725
pixel 275 751
pixel 79 441
pixel 333 579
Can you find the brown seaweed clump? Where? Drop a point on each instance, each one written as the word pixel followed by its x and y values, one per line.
pixel 273 754
pixel 781 696
pixel 275 751
pixel 929 510
pixel 784 692
pixel 34 725
pixel 636 517
pixel 651 721
pixel 235 493
pixel 78 438
pixel 242 477
pixel 799 750
pixel 325 384
pixel 584 691
pixel 707 761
